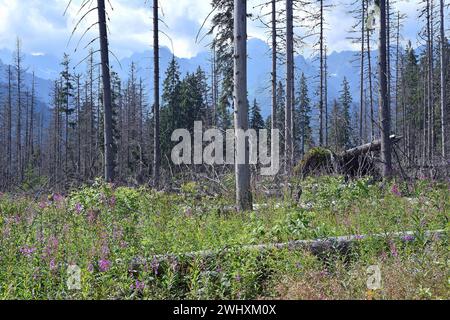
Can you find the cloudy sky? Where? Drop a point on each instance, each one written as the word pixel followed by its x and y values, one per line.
pixel 44 29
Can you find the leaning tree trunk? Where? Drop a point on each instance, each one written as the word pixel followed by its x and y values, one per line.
pixel 289 83
pixel 386 156
pixel 443 77
pixel 107 101
pixel 242 169
pixel 156 137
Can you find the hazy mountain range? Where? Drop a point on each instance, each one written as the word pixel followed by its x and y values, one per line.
pixel 340 65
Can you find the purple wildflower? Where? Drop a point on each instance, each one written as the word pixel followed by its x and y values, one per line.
pixel 394 250
pixel 43 205
pixel 53 265
pixel 408 238
pixel 104 265
pixel 396 191
pixel 238 278
pixel 155 265
pixel 91 216
pixel 52 246
pixel 112 202
pixel 78 208
pixel 90 268
pixel 138 285
pixel 58 198
pixel 27 251
pixel 105 250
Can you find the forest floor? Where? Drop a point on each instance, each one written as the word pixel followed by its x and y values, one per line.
pixel 114 235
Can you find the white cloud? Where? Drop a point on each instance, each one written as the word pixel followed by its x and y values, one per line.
pixel 43 28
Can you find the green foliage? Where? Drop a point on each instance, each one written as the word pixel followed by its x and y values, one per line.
pixel 105 230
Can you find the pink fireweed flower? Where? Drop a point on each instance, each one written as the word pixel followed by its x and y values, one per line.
pixel 104 265
pixel 79 208
pixel 105 250
pixel 138 286
pixel 112 202
pixel 53 265
pixel 58 198
pixel 27 251
pixel 43 205
pixel 396 191
pixel 91 216
pixel 52 246
pixel 409 238
pixel 155 265
pixel 393 248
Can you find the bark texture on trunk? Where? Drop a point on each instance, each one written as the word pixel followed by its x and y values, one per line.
pixel 107 101
pixel 289 84
pixel 156 143
pixel 385 114
pixel 242 170
pixel 443 78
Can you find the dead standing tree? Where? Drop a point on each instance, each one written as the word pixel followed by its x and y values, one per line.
pixel 156 136
pixel 242 170
pixel 386 149
pixel 108 147
pixel 289 155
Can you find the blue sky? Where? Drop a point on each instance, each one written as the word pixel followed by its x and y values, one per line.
pixel 44 30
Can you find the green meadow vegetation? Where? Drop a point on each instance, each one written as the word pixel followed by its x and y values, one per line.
pixel 117 236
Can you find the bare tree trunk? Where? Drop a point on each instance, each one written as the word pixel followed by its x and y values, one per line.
pixel 243 194
pixel 325 93
pixel 274 65
pixel 443 77
pixel 33 94
pixel 361 85
pixel 107 102
pixel 9 125
pixel 289 84
pixel 384 98
pixel 397 73
pixel 388 54
pixel 430 98
pixel 78 107
pixel 321 138
pixel 19 112
pixel 214 87
pixel 369 62
pixel 157 147
pixel 27 127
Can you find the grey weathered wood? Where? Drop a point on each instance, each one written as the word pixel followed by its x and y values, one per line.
pixel 317 247
pixel 443 77
pixel 156 138
pixel 289 84
pixel 242 171
pixel 107 100
pixel 385 116
pixel 374 146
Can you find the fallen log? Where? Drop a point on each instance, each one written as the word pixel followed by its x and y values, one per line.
pixel 374 146
pixel 318 247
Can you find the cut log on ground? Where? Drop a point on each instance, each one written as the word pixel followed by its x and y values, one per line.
pixel 319 247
